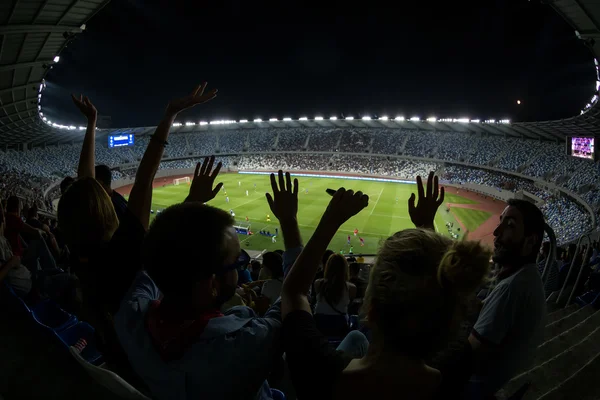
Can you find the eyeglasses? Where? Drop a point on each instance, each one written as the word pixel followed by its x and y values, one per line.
pixel 242 260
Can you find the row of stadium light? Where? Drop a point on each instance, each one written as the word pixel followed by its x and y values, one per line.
pixel 56 59
pixel 366 118
pixel 595 97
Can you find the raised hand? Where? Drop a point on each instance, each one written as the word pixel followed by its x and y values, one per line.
pixel 202 185
pixel 196 97
pixel 284 201
pixel 343 205
pixel 85 106
pixel 423 213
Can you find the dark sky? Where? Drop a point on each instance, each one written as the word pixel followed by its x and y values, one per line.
pixel 293 58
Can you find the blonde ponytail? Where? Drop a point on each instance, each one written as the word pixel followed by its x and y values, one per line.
pixel 464 267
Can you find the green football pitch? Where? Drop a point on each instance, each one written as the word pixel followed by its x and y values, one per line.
pixel 387 211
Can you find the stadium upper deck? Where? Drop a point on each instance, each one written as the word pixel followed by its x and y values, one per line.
pixel 33 34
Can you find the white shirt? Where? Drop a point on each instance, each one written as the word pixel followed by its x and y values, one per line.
pixel 513 318
pixel 272 289
pixel 323 307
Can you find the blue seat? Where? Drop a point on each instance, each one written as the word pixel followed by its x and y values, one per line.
pixel 82 330
pixel 277 394
pixel 51 315
pixel 16 303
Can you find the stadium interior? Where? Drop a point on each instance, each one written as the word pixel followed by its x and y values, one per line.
pixel 494 159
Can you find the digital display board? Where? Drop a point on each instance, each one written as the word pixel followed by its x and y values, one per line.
pixel 120 140
pixel 582 147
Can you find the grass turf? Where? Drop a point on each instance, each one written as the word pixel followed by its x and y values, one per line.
pixel 387 211
pixel 471 218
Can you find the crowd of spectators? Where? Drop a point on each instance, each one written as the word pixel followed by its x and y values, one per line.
pixel 37 167
pixel 292 139
pixel 176 307
pixel 262 139
pixel 323 139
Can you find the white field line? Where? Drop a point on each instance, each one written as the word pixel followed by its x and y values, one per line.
pixel 390 216
pixel 376 201
pixel 250 236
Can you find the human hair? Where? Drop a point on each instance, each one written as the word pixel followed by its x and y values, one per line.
pixel 65 183
pixel 32 212
pixel 418 288
pixel 354 269
pixel 86 215
pixel 533 221
pixel 334 280
pixel 326 256
pixel 103 175
pixel 274 263
pixel 184 245
pixel 13 204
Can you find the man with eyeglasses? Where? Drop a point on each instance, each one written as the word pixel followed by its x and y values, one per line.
pixel 170 325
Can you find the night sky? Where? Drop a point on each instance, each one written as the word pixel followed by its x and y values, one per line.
pixel 292 59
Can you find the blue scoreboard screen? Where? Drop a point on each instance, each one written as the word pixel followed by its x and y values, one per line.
pixel 120 140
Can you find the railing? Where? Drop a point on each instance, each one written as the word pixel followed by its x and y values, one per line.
pixel 551 258
pixel 572 267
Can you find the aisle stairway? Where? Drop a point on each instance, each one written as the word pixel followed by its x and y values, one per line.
pixel 568 360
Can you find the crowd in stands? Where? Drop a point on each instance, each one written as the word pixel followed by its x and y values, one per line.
pixel 180 310
pixel 539 159
pixel 292 139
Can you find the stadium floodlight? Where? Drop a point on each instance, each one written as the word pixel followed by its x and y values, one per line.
pixel 273 119
pixel 41 87
pixel 287 119
pixel 399 118
pixel 190 123
pixel 349 118
pixel 81 128
pixel 71 127
pixel 475 121
pixel 177 124
pixel 318 118
pixel 258 120
pixel 463 120
pixel 366 118
pixel 384 118
pixel 303 119
pixel 243 121
pixel 490 121
pixel 39 96
pixel 45 119
pixel 203 123
pixel 217 122
pixel 56 59
pixel 415 119
pixel 505 121
pixel 39 107
pixel 431 119
pixel 332 118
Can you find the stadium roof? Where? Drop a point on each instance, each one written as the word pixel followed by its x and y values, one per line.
pixel 35 31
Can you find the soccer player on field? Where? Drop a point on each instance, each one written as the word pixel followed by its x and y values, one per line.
pixel 273 239
pixel 246 218
pixel 362 241
pixel 268 218
pixel 348 239
pixel 355 231
pixel 226 199
pixel 246 193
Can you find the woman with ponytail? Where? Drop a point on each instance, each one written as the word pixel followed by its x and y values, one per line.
pixel 416 290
